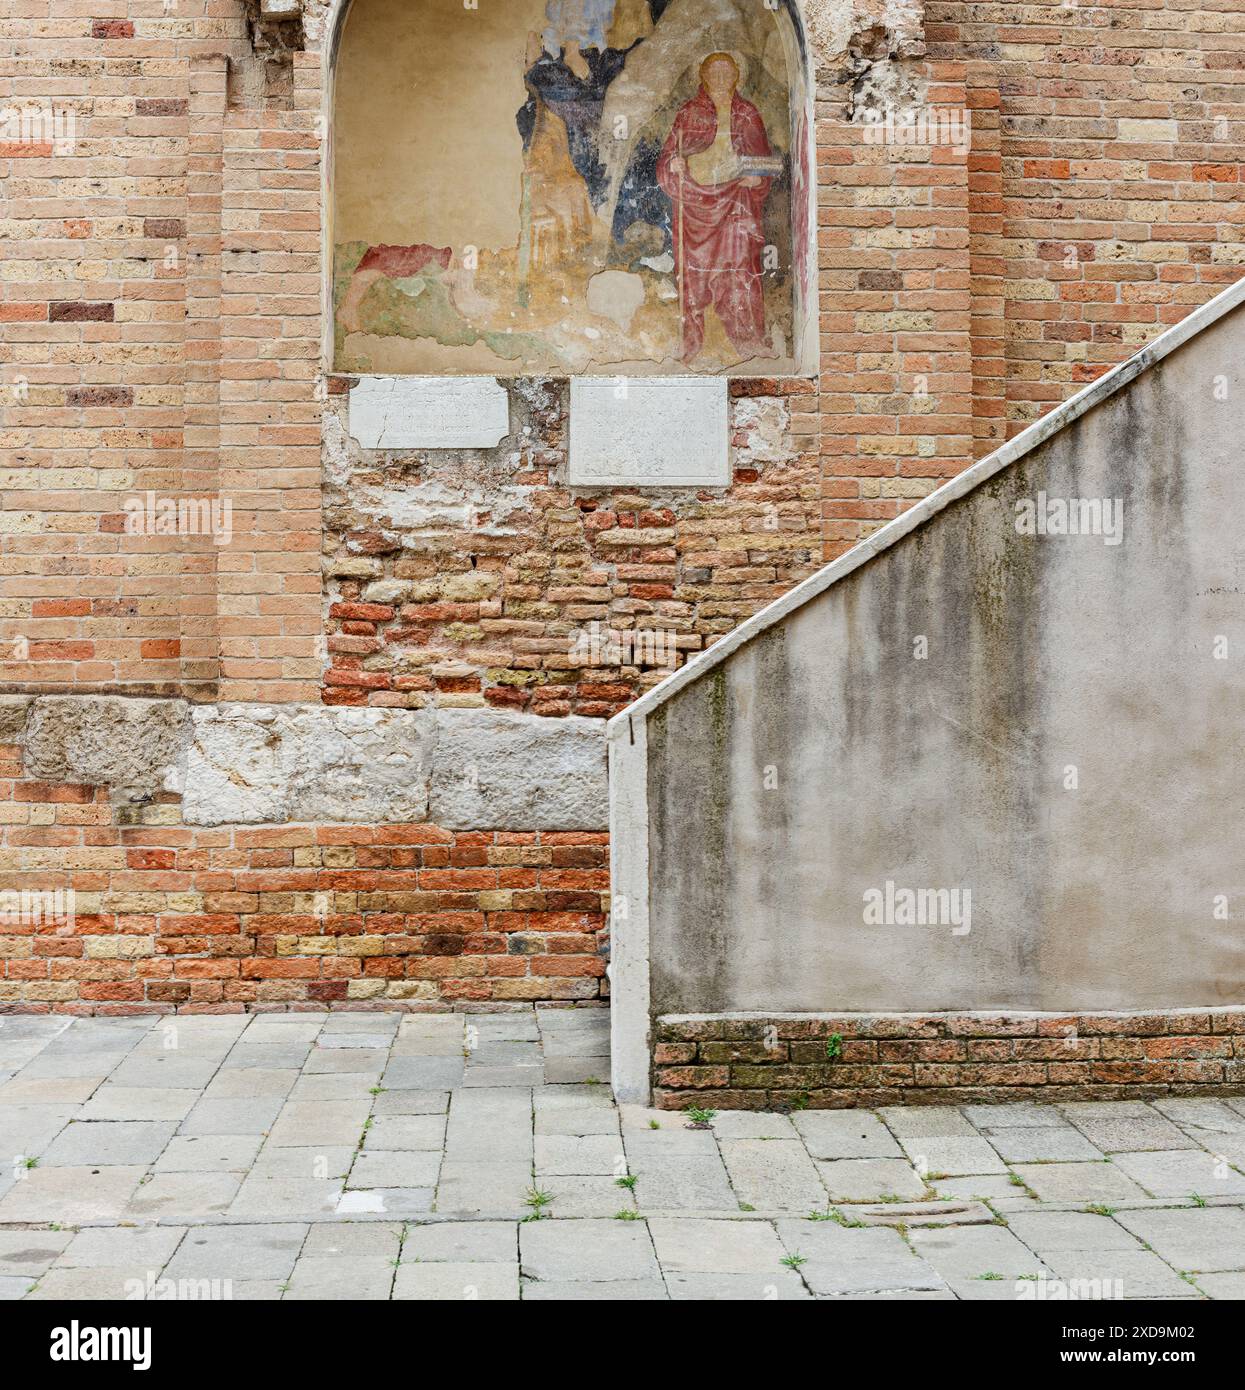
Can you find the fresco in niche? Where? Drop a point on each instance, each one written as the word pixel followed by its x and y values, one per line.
pixel 629 208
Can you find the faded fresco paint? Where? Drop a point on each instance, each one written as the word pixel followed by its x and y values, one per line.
pixel 560 186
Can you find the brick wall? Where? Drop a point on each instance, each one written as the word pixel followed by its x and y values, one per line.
pixel 1118 204
pixel 174 916
pixel 161 311
pixel 896 386
pixel 759 1063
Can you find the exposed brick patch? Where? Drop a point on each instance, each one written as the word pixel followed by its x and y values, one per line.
pixel 160 106
pixel 767 1063
pixel 112 29
pixel 525 608
pixel 164 228
pixel 99 395
pixel 76 311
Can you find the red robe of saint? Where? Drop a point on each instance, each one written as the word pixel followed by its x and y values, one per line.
pixel 718 239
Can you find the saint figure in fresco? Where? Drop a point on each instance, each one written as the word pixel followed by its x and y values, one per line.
pixel 717 169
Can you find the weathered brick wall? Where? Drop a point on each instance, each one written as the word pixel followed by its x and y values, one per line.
pixel 161 310
pixel 1119 203
pixel 424 608
pixel 760 1063
pixel 159 302
pixel 241 918
pixel 896 387
pixel 169 902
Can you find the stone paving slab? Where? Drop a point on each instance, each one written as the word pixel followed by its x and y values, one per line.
pixel 464 1242
pixel 689 1183
pixel 285 1197
pixel 68 1195
pixel 338 1276
pixel 783 1287
pixel 1182 1174
pixel 1132 1133
pixel 951 1156
pixel 870 1179
pixel 464 1157
pixel 1196 1113
pixel 1078 1182
pixel 31 1252
pixel 135 1103
pixel 406 1132
pixel 208 1153
pixel 722 1247
pixel 1054 1232
pixel 1030 1144
pixel 149 1247
pixel 845 1134
pixel 971 1252
pixel 587 1251
pixel 1129 1273
pixel 573 1196
pixel 265 1251
pixel 839 1261
pixel 232 1116
pixel 1203 1239
pixel 182 1197
pixel 772 1174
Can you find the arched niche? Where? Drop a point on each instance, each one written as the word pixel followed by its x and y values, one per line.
pixel 505 196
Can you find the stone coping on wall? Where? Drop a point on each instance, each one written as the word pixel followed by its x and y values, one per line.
pixel 253 764
pixel 831 1061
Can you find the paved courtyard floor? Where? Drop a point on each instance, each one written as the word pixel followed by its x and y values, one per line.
pixel 377 1156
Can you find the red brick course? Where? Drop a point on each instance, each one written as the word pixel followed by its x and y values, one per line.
pixel 173 916
pixel 768 1063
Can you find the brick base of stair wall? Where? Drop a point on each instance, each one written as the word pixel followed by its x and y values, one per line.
pixel 778 1063
pixel 169 917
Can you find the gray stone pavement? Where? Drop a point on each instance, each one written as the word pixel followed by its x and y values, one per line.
pixel 372 1155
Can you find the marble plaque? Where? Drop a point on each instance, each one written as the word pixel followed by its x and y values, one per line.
pixel 429 412
pixel 649 432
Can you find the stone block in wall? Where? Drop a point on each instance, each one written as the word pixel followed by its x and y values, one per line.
pixel 460 769
pixel 518 772
pixel 429 412
pixel 250 764
pixel 129 745
pixel 649 432
pixel 13 713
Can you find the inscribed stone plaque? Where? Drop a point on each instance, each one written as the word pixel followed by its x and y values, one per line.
pixel 649 432
pixel 429 412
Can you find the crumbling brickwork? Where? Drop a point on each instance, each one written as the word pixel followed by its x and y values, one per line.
pixel 473 577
